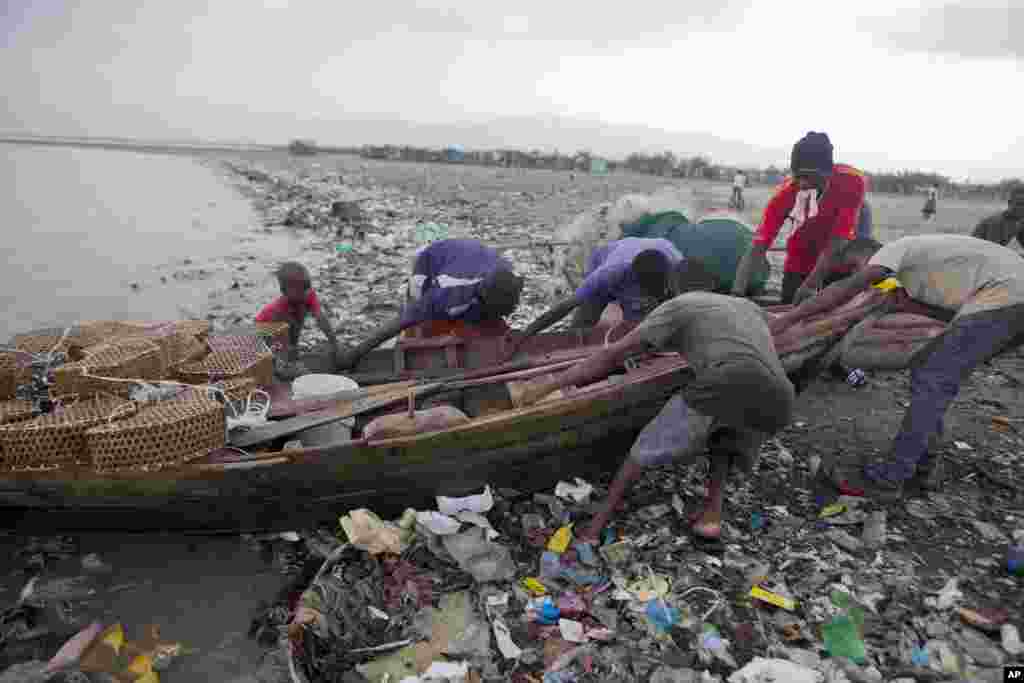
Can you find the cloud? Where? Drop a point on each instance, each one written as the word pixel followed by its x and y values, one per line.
pixel 963 29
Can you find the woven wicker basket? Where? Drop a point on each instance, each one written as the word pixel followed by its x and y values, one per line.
pixel 275 335
pixel 135 358
pixel 231 356
pixel 84 336
pixel 15 411
pixel 164 434
pixel 13 373
pixel 57 439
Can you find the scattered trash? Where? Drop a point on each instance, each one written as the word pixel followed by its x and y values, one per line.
pixel 560 541
pixel 772 598
pixel 989 532
pixel 483 559
pixel 93 564
pixel 367 531
pixel 578 492
pixel 760 670
pixel 843 640
pixel 874 530
pixel 1011 640
pixel 479 503
pixel 947 597
pixel 845 540
pixel 571 630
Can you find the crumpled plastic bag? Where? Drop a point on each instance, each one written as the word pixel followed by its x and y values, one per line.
pixel 479 503
pixel 441 671
pixel 760 670
pixel 483 559
pixel 578 492
pixel 368 532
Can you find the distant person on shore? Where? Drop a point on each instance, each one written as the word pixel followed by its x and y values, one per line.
pixel 457 286
pixel 738 396
pixel 930 203
pixel 636 273
pixel 977 285
pixel 739 182
pixel 298 300
pixel 824 201
pixel 1004 226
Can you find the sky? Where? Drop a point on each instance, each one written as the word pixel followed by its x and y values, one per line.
pixel 895 83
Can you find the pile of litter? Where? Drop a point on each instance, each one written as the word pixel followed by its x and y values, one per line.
pixel 494 587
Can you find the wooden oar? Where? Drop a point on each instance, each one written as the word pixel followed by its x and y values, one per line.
pixel 276 430
pixel 381 399
pixel 290 407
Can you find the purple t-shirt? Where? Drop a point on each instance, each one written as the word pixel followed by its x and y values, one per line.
pixel 610 274
pixel 446 279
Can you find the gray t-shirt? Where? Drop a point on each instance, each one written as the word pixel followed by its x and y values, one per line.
pixel 725 339
pixel 961 274
pixel 708 328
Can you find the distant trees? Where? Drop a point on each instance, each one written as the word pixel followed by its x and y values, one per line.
pixel 302 147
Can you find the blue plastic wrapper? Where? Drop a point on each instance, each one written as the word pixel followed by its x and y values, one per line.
pixel 662 615
pixel 586 553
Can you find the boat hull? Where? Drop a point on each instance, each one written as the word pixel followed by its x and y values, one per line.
pixel 527 450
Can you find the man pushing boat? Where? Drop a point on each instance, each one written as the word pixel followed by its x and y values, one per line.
pixel 739 395
pixel 457 286
pixel 825 201
pixel 636 273
pixel 977 284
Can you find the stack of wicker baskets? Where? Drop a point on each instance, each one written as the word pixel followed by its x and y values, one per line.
pixel 57 439
pixel 162 434
pixel 99 425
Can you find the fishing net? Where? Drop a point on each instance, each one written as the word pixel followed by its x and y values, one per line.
pixel 57 439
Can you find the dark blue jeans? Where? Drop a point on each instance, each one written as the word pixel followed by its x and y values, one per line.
pixel 936 373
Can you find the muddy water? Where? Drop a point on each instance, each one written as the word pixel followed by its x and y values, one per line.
pixel 201 592
pixel 82 226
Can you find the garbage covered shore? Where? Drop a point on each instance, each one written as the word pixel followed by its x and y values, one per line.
pixel 807 585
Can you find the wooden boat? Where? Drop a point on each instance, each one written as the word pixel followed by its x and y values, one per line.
pixel 588 430
pixel 525 449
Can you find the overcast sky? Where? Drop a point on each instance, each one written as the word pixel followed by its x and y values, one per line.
pixel 894 82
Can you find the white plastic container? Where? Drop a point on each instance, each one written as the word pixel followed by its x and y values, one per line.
pixel 319 386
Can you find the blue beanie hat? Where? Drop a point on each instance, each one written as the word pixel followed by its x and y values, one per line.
pixel 812 153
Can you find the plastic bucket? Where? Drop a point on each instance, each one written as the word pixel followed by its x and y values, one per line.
pixel 319 386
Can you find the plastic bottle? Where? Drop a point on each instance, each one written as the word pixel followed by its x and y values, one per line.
pixel 856 377
pixel 842 639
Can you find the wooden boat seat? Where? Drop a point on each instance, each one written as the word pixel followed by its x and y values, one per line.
pixel 450 343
